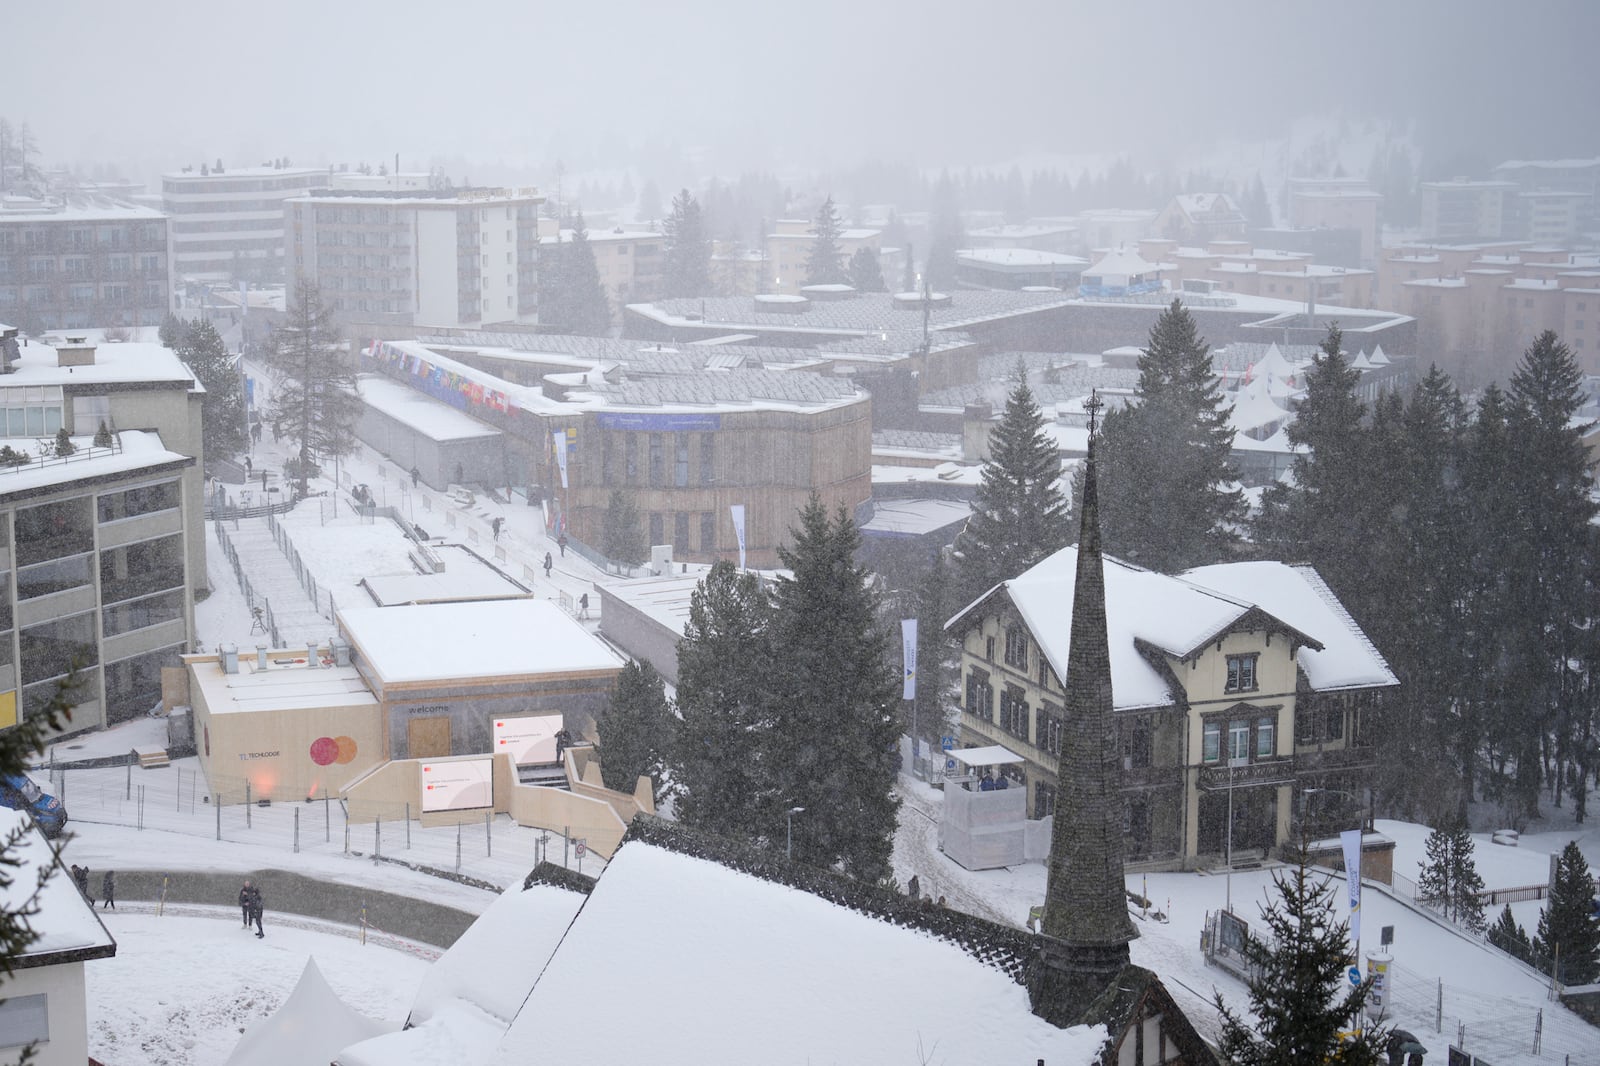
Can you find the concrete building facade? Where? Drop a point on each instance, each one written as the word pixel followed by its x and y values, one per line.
pixel 227 225
pixel 71 267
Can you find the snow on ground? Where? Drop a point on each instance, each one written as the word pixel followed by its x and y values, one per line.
pixel 183 986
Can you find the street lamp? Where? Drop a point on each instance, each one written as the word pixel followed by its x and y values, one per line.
pixel 788 838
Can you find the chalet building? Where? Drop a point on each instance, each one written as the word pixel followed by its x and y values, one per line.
pixel 1242 687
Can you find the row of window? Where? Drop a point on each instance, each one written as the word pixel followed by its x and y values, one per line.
pixel 681 521
pixel 656 455
pixel 111 235
pixel 82 266
pixel 1247 739
pixel 154 294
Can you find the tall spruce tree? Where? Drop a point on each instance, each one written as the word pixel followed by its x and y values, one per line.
pixel 1295 994
pixel 1568 941
pixel 571 296
pixel 621 531
pixel 937 651
pixel 866 272
pixel 825 261
pixel 170 332
pixel 833 693
pixel 1321 518
pixel 635 730
pixel 686 260
pixel 721 769
pixel 314 401
pixel 946 235
pixel 1019 515
pixel 1449 879
pixel 222 407
pixel 1510 937
pixel 1168 498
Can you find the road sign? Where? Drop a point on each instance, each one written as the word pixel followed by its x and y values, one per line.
pixel 1355 976
pixel 947 743
pixel 949 765
pixel 581 846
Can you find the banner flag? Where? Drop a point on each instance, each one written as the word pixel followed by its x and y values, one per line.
pixel 558 440
pixel 737 510
pixel 908 656
pixel 1351 839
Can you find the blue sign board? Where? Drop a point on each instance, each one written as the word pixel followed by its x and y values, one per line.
pixel 658 423
pixel 1355 976
pixel 947 743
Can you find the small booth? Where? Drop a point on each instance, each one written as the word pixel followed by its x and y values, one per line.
pixel 984 823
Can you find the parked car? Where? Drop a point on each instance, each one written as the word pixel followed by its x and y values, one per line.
pixel 21 793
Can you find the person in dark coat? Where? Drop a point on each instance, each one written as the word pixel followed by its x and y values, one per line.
pixel 561 542
pixel 416 475
pixel 548 563
pixel 80 874
pixel 583 606
pixel 108 890
pixel 496 523
pixel 255 912
pixel 914 887
pixel 247 896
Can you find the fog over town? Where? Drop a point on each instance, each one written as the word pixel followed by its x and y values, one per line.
pixel 1025 533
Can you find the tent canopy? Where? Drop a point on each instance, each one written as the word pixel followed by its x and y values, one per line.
pixel 993 755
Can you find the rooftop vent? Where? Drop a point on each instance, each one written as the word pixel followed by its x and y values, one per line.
pixel 76 352
pixel 228 654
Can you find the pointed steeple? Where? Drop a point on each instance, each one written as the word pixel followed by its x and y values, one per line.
pixel 1086 926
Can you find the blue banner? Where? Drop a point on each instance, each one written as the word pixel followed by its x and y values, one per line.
pixel 657 423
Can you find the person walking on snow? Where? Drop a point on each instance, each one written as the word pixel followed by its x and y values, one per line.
pixel 416 475
pixel 80 874
pixel 561 542
pixel 255 911
pixel 247 897
pixel 496 523
pixel 548 563
pixel 108 889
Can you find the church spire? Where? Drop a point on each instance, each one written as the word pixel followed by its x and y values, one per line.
pixel 1086 926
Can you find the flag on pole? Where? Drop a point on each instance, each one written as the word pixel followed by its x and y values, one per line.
pixel 908 656
pixel 1351 839
pixel 558 440
pixel 737 510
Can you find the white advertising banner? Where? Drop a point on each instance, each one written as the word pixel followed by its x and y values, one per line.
pixel 908 658
pixel 463 785
pixel 530 740
pixel 558 441
pixel 737 511
pixel 1351 839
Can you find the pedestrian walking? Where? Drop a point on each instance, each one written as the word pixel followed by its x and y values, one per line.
pixel 255 432
pixel 416 476
pixel 247 466
pixel 548 563
pixel 495 524
pixel 255 913
pixel 914 887
pixel 80 874
pixel 108 890
pixel 561 542
pixel 247 897
pixel 583 606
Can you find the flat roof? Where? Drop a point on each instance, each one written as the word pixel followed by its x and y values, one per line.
pixel 139 450
pixel 125 362
pixel 460 582
pixel 285 685
pixel 432 418
pixel 914 518
pixel 665 600
pixel 15 209
pixel 476 641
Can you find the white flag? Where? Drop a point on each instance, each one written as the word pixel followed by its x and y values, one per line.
pixel 1351 839
pixel 908 656
pixel 558 440
pixel 737 510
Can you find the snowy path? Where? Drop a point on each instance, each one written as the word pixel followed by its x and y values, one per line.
pixel 273 578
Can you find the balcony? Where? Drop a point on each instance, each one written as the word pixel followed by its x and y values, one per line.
pixel 1274 771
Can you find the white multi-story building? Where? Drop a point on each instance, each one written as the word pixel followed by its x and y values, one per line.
pixel 458 257
pixel 227 225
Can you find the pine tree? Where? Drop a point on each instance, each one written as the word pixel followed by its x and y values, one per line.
pixel 686 261
pixel 937 651
pixel 64 446
pixel 314 399
pixel 102 436
pixel 222 407
pixel 833 693
pixel 866 273
pixel 1449 878
pixel 908 278
pixel 1295 995
pixel 574 299
pixel 720 771
pixel 825 262
pixel 171 332
pixel 947 234
pixel 1018 514
pixel 1168 499
pixel 635 730
pixel 1568 941
pixel 1510 937
pixel 1257 207
pixel 1321 518
pixel 621 532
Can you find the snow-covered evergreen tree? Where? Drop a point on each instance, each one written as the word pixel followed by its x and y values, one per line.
pixel 635 730
pixel 314 399
pixel 686 260
pixel 825 261
pixel 1510 937
pixel 1449 878
pixel 621 532
pixel 1568 941
pixel 866 273
pixel 222 407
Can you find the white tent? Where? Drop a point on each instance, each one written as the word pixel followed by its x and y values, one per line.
pixel 308 1030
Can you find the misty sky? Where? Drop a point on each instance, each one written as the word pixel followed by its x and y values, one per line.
pixel 736 86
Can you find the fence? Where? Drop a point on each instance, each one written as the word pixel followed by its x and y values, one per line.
pixel 260 608
pixel 308 581
pixel 490 848
pixel 1486 1024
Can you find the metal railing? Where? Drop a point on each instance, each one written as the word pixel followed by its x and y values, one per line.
pixel 260 607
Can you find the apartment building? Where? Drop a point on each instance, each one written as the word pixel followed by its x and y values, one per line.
pixel 66 266
pixel 445 258
pixel 1238 267
pixel 1337 204
pixel 101 547
pixel 789 249
pixel 227 225
pixel 1467 210
pixel 1549 182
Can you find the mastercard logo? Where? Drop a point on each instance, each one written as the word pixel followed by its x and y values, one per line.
pixel 326 750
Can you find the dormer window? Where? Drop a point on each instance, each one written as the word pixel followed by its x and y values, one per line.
pixel 1241 673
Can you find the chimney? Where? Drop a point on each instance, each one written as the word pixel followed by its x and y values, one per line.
pixel 76 352
pixel 341 651
pixel 229 656
pixel 261 656
pixel 311 655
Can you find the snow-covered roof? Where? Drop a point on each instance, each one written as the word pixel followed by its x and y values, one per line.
pixel 912 518
pixel 284 685
pixel 65 922
pixel 433 419
pixel 452 641
pixel 1179 615
pixel 464 582
pixel 699 936
pixel 114 363
pixel 139 450
pixel 1253 409
pixel 1020 257
pixel 1122 263
pixel 16 209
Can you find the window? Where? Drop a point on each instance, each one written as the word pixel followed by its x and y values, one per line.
pixel 980 695
pixel 1051 723
pixel 658 472
pixel 680 533
pixel 657 528
pixel 630 457
pixel 1211 742
pixel 708 531
pixel 708 458
pixel 1017 647
pixel 1266 737
pixel 1238 739
pixel 130 571
pixel 989 649
pixel 24 1020
pixel 1241 673
pixel 680 465
pixel 1014 712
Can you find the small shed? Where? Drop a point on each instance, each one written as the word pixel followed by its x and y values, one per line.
pixel 983 828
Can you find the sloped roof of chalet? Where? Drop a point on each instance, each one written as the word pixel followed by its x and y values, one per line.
pixel 1180 615
pixel 822 969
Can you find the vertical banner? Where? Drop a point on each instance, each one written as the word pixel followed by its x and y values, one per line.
pixel 558 440
pixel 908 657
pixel 1351 839
pixel 737 510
